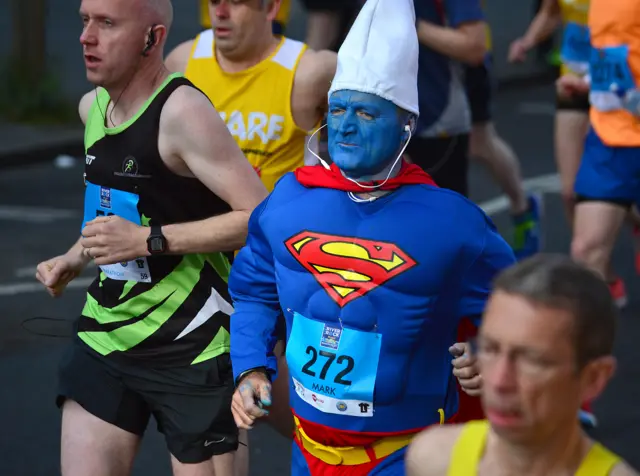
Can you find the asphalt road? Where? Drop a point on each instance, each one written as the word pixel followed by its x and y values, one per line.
pixel 40 215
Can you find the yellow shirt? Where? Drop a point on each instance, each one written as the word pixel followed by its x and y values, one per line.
pixel 488 40
pixel 469 448
pixel 256 105
pixel 576 11
pixel 282 17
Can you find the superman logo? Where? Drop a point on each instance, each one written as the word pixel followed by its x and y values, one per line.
pixel 347 267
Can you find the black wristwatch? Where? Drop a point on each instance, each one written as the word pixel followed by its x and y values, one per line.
pixel 156 243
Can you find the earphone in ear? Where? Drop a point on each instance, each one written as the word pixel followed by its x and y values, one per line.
pixel 407 128
pixel 151 41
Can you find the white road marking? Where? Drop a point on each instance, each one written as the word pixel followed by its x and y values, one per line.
pixel 35 214
pixel 540 184
pixel 537 108
pixel 14 289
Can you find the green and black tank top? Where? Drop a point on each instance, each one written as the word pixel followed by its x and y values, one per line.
pixel 160 310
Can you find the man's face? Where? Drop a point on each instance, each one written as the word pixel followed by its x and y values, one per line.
pixel 364 131
pixel 113 38
pixel 527 359
pixel 235 22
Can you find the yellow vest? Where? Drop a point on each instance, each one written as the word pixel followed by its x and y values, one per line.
pixel 256 105
pixel 469 448
pixel 576 11
pixel 282 17
pixel 488 40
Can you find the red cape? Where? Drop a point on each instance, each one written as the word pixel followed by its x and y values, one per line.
pixel 318 176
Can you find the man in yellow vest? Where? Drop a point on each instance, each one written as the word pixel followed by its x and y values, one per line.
pixel 270 90
pixel 272 93
pixel 545 346
pixel 279 24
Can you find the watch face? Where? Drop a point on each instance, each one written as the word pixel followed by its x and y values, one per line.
pixel 157 244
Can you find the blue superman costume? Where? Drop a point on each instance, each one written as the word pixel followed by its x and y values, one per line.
pixel 373 267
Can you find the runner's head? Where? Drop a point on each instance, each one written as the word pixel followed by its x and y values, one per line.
pixel 241 26
pixel 373 99
pixel 365 131
pixel 120 36
pixel 544 347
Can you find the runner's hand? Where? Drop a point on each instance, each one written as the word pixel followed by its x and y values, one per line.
pixel 465 369
pixel 57 272
pixel 112 239
pixel 250 399
pixel 569 85
pixel 518 51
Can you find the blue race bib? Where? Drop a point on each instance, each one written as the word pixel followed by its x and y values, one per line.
pixel 105 201
pixel 333 368
pixel 576 46
pixel 610 70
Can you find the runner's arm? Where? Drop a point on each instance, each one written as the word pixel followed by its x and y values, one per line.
pixel 429 452
pixel 309 97
pixel 85 105
pixel 486 256
pixel 323 72
pixel 196 135
pixel 177 60
pixel 546 21
pixel 77 255
pixel 463 39
pixel 465 43
pixel 252 286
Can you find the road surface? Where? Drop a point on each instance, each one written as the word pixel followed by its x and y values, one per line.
pixel 40 215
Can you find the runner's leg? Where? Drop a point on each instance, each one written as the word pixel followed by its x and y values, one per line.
pixel 571 126
pixel 494 153
pixel 94 447
pixel 102 419
pixel 446 159
pixel 192 406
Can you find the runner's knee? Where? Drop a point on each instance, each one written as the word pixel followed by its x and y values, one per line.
pixel 481 146
pixel 587 248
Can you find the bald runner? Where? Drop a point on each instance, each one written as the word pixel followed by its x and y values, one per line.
pixel 168 194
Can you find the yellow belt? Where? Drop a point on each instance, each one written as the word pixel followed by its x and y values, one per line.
pixel 353 455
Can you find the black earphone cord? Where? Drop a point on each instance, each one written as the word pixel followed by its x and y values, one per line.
pixel 151 42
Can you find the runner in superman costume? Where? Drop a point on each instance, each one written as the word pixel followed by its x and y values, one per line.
pixel 373 267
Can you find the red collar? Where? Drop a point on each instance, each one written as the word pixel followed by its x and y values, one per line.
pixel 318 176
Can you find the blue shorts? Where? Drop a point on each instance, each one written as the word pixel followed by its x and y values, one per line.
pixel 608 174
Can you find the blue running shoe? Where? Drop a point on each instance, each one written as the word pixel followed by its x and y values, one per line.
pixel 527 229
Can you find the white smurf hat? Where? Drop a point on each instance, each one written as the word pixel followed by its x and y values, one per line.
pixel 380 54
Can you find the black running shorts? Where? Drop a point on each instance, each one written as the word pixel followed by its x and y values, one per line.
pixel 446 159
pixel 479 86
pixel 577 102
pixel 191 405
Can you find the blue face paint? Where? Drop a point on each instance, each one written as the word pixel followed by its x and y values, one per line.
pixel 365 133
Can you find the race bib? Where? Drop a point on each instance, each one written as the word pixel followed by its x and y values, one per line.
pixel 611 77
pixel 576 48
pixel 333 368
pixel 105 201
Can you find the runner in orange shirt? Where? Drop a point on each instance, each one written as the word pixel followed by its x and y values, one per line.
pixel 608 181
